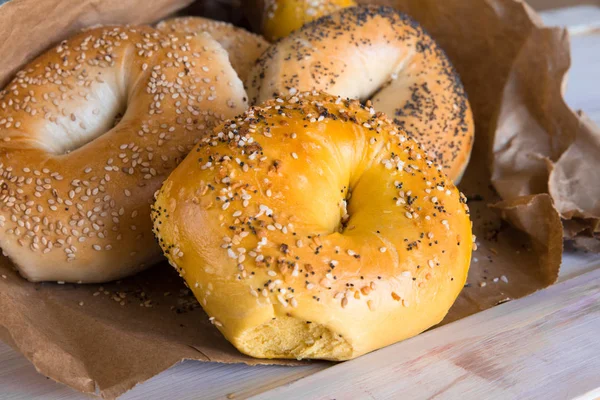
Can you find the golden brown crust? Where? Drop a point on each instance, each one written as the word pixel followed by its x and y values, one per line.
pixel 281 17
pixel 243 47
pixel 380 54
pixel 75 190
pixel 255 219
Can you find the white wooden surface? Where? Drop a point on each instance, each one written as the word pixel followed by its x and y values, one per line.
pixel 428 366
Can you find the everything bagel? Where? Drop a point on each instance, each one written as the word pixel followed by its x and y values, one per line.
pixel 379 54
pixel 88 132
pixel 313 227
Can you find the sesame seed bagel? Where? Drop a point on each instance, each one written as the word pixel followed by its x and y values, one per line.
pixel 281 17
pixel 243 47
pixel 88 132
pixel 380 54
pixel 313 227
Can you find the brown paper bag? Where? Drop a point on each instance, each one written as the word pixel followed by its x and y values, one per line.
pixel 107 338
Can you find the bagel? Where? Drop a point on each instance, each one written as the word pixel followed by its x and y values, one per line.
pixel 88 132
pixel 313 227
pixel 379 54
pixel 243 47
pixel 281 17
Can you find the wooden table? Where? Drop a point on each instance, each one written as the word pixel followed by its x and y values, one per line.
pixel 544 346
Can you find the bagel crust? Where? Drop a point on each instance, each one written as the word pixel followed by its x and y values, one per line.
pixel 281 17
pixel 313 227
pixel 376 53
pixel 243 47
pixel 88 132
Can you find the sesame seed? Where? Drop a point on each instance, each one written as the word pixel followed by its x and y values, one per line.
pixel 282 300
pixel 371 305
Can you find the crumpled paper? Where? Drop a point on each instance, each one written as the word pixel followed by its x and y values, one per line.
pixel 105 339
pixel 542 146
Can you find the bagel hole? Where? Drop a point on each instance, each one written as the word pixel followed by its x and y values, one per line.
pixel 82 125
pixel 118 118
pixel 344 215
